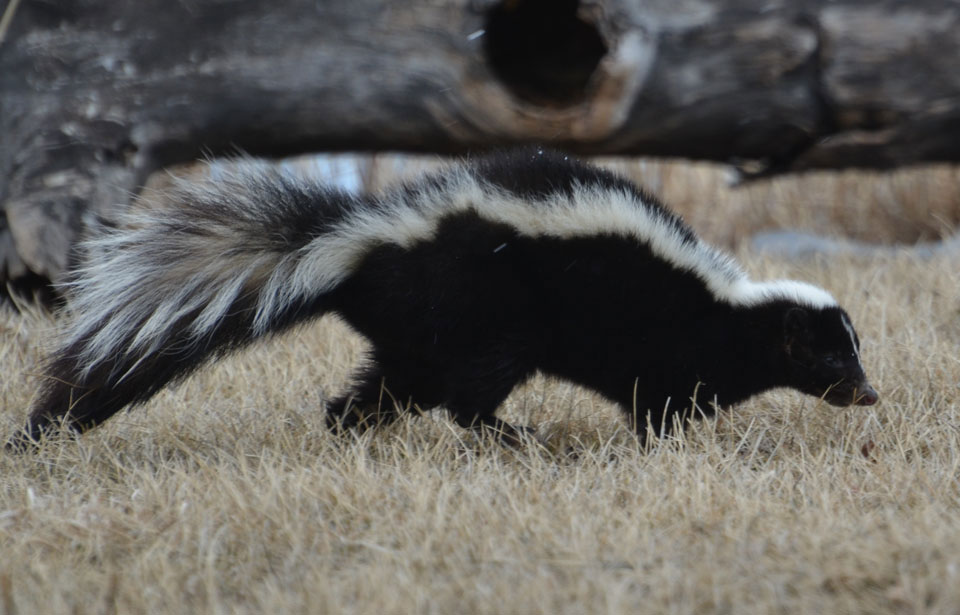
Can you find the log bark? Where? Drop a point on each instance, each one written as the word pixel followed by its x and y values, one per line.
pixel 96 94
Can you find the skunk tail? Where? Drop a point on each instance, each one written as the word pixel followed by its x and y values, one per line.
pixel 208 268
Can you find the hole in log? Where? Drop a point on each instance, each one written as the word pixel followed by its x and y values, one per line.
pixel 542 51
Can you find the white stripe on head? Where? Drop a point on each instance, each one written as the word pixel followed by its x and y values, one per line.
pixel 853 338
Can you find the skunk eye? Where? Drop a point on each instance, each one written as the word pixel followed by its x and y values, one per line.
pixel 832 360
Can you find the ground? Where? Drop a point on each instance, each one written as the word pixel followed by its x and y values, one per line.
pixel 227 494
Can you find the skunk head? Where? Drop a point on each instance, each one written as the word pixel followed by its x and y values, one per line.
pixel 823 356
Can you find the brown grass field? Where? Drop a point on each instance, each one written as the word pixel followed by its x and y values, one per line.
pixel 227 494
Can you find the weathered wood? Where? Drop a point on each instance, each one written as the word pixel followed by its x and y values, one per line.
pixel 96 94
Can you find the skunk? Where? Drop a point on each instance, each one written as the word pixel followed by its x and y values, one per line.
pixel 466 283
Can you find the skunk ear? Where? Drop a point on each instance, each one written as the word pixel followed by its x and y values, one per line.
pixel 796 327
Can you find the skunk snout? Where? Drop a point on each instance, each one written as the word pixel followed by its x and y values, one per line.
pixel 851 392
pixel 866 395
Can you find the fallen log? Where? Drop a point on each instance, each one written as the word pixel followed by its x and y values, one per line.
pixel 96 95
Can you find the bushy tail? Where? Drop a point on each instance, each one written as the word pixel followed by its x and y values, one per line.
pixel 207 268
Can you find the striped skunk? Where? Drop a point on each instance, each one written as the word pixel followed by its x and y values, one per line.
pixel 466 283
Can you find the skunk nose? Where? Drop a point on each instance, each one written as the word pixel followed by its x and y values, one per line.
pixel 866 395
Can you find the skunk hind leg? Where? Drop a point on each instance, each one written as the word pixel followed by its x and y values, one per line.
pixel 377 399
pixel 386 389
pixel 478 413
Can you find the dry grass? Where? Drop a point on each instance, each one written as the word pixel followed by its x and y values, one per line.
pixel 228 495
